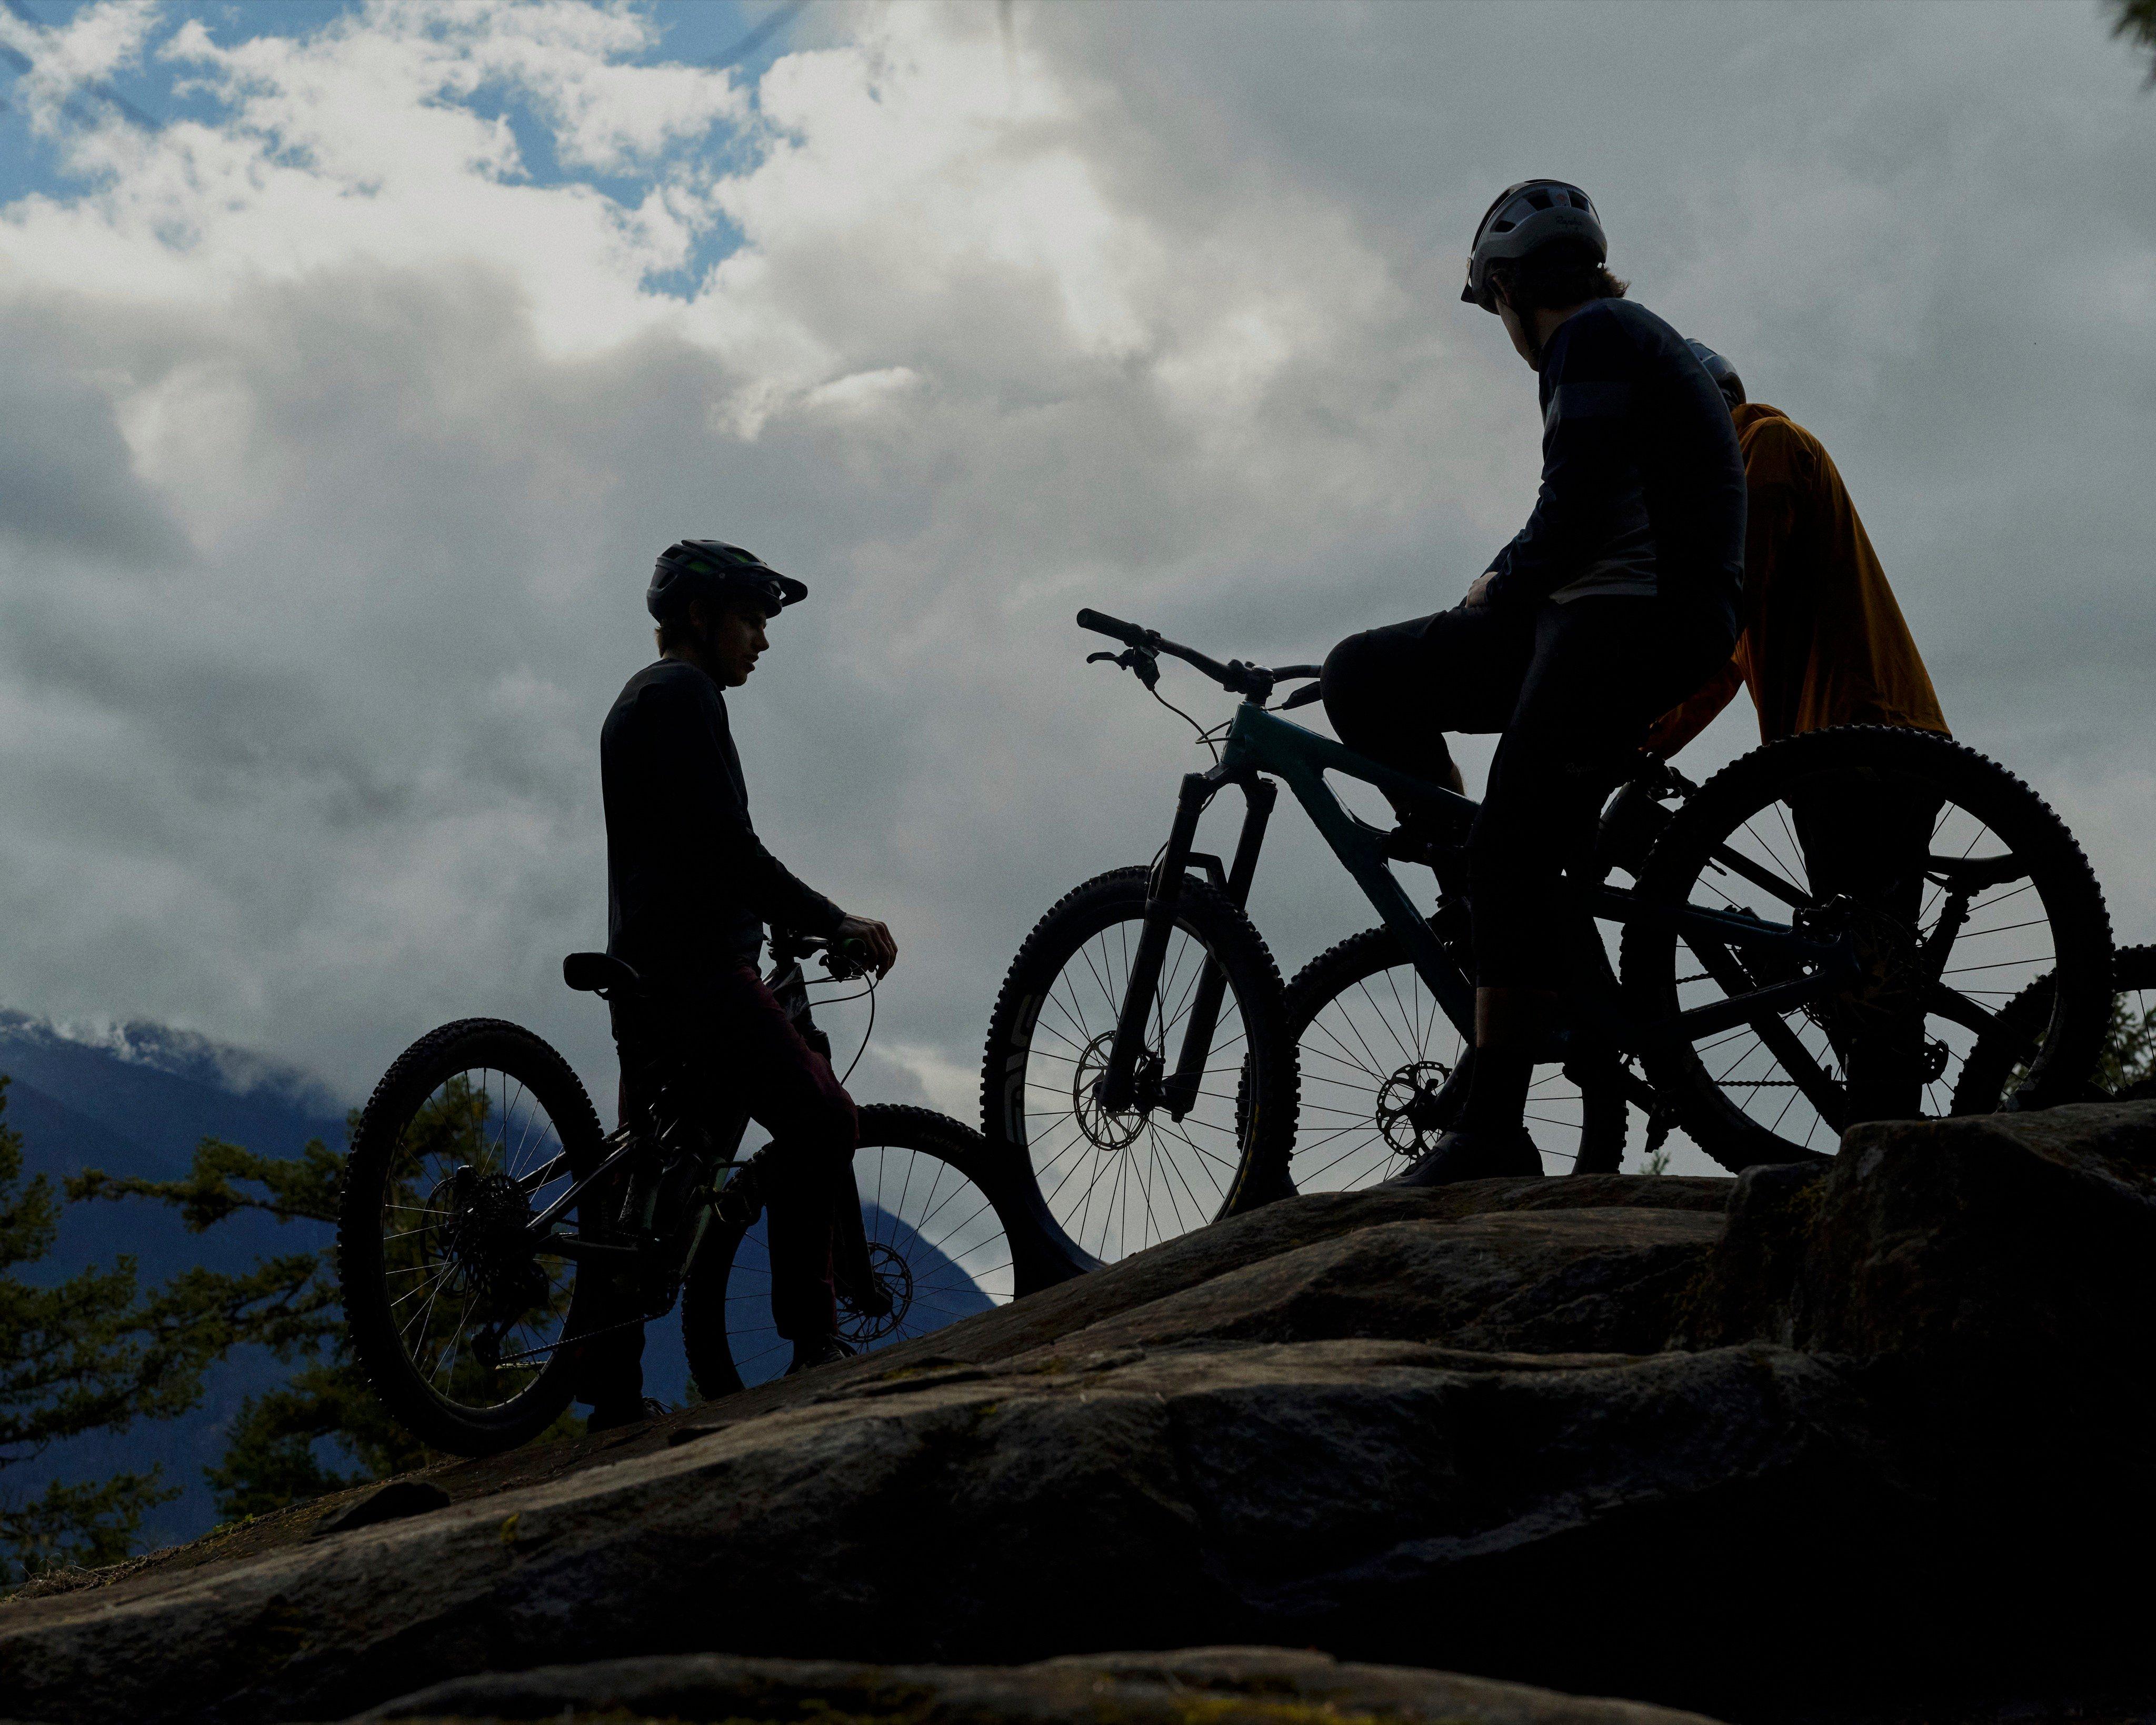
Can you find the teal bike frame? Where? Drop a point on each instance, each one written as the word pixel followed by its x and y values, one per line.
pixel 1262 747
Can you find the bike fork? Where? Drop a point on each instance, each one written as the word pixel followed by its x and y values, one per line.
pixel 1118 1086
pixel 1181 1094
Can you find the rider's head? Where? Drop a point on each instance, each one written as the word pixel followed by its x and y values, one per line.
pixel 711 602
pixel 1539 247
pixel 1724 374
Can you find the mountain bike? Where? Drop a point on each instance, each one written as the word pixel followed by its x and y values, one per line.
pixel 1146 1066
pixel 480 1184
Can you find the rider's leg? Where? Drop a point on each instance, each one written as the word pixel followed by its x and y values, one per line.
pixel 1602 670
pixel 789 1087
pixel 1392 693
pixel 1870 845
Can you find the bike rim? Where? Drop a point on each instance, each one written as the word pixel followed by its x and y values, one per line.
pixel 1791 1079
pixel 936 1244
pixel 477 1316
pixel 1370 1058
pixel 1117 1184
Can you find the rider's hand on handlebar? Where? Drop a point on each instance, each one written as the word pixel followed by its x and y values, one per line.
pixel 1478 594
pixel 883 950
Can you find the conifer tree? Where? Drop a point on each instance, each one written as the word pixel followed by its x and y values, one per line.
pixel 95 1353
pixel 289 1444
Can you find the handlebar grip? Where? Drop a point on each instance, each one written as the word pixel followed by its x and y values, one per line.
pixel 1129 634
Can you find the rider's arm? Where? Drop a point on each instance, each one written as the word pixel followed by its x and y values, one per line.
pixel 1590 482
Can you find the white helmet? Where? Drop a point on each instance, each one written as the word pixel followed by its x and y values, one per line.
pixel 1525 219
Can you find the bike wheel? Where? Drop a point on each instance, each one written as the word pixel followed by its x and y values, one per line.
pixel 1376 1053
pixel 2125 1068
pixel 1116 1184
pixel 939 1243
pixel 1957 886
pixel 456 1321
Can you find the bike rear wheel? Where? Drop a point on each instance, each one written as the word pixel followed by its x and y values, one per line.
pixel 2126 1066
pixel 1955 882
pixel 455 1320
pixel 940 1245
pixel 1377 1056
pixel 1114 1184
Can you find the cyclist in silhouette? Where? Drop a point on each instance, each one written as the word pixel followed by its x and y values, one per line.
pixel 1823 643
pixel 689 890
pixel 1616 600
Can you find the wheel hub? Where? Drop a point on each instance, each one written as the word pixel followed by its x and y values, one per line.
pixel 1888 985
pixel 485 1238
pixel 1109 1131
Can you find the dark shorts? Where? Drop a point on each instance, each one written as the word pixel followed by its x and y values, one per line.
pixel 1572 688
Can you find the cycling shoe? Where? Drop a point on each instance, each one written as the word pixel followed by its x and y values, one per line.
pixel 620 1414
pixel 1463 1154
pixel 813 1351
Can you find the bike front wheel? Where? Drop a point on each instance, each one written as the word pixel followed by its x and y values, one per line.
pixel 1952 884
pixel 939 1241
pixel 1378 1060
pixel 456 1319
pixel 1116 1183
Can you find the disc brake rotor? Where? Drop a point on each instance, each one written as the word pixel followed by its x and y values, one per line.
pixel 1406 1115
pixel 894 1278
pixel 1108 1133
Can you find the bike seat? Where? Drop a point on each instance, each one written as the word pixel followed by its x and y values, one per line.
pixel 598 973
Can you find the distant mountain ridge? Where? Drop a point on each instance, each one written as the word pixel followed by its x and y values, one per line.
pixel 136 1099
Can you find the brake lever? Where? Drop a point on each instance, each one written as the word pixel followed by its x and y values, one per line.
pixel 1141 661
pixel 1301 697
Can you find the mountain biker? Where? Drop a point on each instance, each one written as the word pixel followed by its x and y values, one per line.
pixel 689 888
pixel 1616 600
pixel 1822 642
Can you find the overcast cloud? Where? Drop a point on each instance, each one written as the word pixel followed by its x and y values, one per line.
pixel 344 410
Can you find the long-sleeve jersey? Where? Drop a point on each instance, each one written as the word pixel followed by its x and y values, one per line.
pixel 689 883
pixel 1642 489
pixel 1823 642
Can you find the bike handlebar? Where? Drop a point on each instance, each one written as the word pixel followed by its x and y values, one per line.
pixel 1237 678
pixel 1114 628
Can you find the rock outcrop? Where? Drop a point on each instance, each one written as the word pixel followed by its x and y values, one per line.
pixel 1220 1685
pixel 1876 1430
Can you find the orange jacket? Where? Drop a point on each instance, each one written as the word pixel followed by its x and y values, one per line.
pixel 1822 641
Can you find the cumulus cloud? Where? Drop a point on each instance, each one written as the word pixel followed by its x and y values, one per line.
pixel 351 415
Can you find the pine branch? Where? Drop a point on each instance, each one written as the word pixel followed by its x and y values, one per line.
pixel 2135 21
pixel 303 1188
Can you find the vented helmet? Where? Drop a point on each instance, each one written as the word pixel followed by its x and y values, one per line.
pixel 1724 374
pixel 710 569
pixel 1525 217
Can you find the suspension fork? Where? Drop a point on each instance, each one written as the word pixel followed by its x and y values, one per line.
pixel 1181 1094
pixel 1117 1088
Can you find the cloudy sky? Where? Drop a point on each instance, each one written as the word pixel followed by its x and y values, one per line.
pixel 354 360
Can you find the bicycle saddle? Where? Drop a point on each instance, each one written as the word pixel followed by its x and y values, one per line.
pixel 597 973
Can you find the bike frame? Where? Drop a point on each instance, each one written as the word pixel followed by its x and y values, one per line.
pixel 659 1121
pixel 1262 746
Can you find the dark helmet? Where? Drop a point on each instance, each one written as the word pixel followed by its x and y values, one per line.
pixel 710 569
pixel 1724 374
pixel 1525 219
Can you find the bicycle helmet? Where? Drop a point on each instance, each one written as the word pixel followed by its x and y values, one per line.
pixel 710 569
pixel 1525 217
pixel 1724 374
